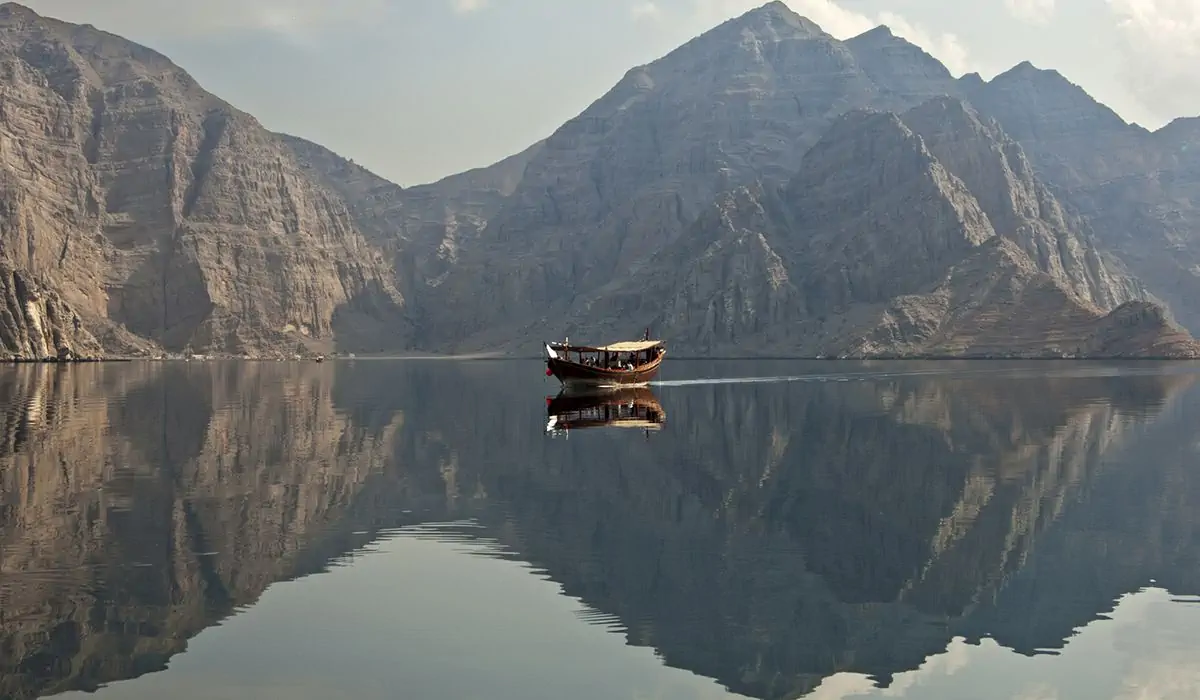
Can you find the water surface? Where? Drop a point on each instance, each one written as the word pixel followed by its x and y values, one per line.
pixel 443 530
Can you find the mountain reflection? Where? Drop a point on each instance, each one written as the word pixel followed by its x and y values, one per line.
pixel 772 534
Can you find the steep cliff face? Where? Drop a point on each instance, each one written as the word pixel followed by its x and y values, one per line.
pixel 421 230
pixel 1139 191
pixel 38 324
pixel 153 207
pixel 879 247
pixel 1020 207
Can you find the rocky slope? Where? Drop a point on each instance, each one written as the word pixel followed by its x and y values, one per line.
pixel 147 206
pixel 1138 190
pixel 879 246
pixel 621 181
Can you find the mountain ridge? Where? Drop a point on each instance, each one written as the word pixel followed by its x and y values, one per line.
pixel 269 244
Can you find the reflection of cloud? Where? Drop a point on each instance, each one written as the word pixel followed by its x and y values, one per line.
pixel 1038 12
pixel 1148 650
pixel 843 24
pixel 1162 47
pixel 1162 640
pixel 1175 676
pixel 844 686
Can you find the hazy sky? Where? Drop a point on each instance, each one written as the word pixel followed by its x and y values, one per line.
pixel 419 89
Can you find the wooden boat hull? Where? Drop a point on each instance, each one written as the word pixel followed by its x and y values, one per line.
pixel 573 374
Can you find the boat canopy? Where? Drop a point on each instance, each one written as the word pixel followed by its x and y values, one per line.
pixel 624 346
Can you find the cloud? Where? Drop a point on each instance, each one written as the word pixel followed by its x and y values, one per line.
pixel 466 7
pixel 647 9
pixel 844 23
pixel 291 19
pixel 1161 43
pixel 1035 12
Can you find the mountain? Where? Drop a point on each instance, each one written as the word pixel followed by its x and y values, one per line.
pixel 1138 190
pixel 154 216
pixel 879 246
pixel 728 194
pixel 620 182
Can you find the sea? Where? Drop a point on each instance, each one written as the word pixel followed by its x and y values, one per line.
pixel 458 530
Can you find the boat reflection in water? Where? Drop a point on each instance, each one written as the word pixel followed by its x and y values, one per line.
pixel 634 407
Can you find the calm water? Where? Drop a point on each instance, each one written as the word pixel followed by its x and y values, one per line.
pixel 433 530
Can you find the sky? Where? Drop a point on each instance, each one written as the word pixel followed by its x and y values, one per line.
pixel 419 89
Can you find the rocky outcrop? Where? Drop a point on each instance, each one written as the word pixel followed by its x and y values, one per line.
pixel 37 324
pixel 153 208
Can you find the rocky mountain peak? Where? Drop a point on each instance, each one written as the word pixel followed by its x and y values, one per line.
pixel 14 11
pixel 947 114
pixel 1182 133
pixel 1024 68
pixel 898 66
pixel 880 34
pixel 1059 124
pixel 776 17
pixel 182 223
pixel 972 80
pixel 1028 85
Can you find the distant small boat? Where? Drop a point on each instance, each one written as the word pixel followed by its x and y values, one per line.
pixel 623 364
pixel 628 407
